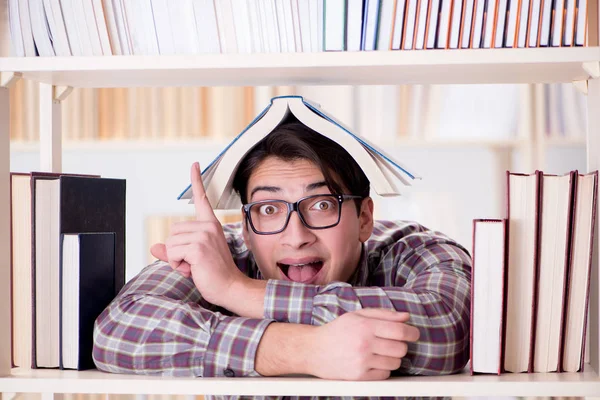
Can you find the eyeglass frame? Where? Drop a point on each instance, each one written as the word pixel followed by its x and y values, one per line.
pixel 294 207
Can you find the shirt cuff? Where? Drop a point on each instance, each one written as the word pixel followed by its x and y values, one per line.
pixel 289 301
pixel 232 347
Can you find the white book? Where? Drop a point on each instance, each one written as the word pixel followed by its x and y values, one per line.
pixel 320 24
pixel 16 35
pixel 455 24
pixel 500 23
pixel 47 236
pixel 72 28
pixel 26 31
pixel 102 27
pixel 313 6
pixel 111 24
pixel 478 23
pixel 489 246
pixel 226 26
pixel 534 23
pixel 522 250
pixel 523 24
pixel 433 23
pixel 421 24
pixel 289 25
pixel 335 25
pixel 555 213
pixel 511 24
pixel 557 23
pixel 444 24
pixel 274 39
pixel 140 21
pixel 281 26
pixel 183 25
pixel 578 289
pixel 243 33
pixel 265 23
pixel 399 25
pixel 354 25
pixel 410 25
pixel 383 171
pixel 304 16
pixel 580 27
pixel 370 22
pixel 92 28
pixel 122 28
pixel 297 32
pixel 386 24
pixel 255 26
pixel 545 23
pixel 569 29
pixel 162 24
pixel 468 9
pixel 488 34
pixel 40 28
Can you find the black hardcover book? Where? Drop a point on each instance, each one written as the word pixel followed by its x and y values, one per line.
pixel 87 272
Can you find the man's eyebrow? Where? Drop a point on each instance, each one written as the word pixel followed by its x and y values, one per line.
pixel 315 185
pixel 271 189
pixel 275 189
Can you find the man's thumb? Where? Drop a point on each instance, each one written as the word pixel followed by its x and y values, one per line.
pixel 384 314
pixel 159 250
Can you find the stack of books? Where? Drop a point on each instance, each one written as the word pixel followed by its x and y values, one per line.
pixel 152 27
pixel 67 264
pixel 531 275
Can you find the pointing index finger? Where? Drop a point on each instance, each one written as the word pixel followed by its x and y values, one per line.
pixel 204 211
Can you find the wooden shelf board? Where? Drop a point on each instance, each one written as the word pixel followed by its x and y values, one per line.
pixel 550 384
pixel 537 65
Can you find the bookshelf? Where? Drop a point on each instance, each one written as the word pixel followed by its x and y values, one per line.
pixel 57 75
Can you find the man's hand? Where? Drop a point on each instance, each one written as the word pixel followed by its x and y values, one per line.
pixel 362 345
pixel 199 249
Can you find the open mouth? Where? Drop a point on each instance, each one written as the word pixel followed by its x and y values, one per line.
pixel 304 272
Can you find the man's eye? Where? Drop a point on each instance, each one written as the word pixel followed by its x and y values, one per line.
pixel 323 205
pixel 267 209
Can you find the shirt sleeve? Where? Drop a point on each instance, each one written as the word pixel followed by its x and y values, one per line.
pixel 426 276
pixel 160 325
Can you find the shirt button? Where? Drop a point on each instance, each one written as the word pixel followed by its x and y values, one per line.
pixel 229 372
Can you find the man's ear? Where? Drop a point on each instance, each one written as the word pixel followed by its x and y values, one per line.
pixel 365 219
pixel 245 233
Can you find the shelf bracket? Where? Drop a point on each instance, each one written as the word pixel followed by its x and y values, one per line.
pixel 592 68
pixel 62 92
pixel 8 79
pixel 582 86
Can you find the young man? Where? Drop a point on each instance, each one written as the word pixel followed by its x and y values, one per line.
pixel 308 283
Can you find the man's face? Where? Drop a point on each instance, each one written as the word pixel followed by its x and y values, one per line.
pixel 298 253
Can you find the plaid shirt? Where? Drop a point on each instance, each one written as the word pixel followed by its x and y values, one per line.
pixel 159 324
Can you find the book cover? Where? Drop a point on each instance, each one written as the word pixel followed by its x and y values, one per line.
pixel 87 271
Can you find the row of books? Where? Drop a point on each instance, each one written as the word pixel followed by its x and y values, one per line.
pixel 152 27
pixel 531 274
pixel 67 264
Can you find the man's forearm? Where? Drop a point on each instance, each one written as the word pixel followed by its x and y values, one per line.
pixel 285 349
pixel 247 298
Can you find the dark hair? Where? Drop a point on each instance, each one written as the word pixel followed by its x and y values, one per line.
pixel 295 141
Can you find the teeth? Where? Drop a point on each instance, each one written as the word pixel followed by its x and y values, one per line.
pixel 297 265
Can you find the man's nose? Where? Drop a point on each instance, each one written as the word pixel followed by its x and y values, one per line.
pixel 295 234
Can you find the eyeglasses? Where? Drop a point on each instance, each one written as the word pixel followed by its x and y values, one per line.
pixel 319 211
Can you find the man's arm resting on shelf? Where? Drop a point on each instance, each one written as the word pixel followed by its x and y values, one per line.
pixel 432 285
pixel 156 326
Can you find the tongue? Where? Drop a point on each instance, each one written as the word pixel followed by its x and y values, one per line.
pixel 302 273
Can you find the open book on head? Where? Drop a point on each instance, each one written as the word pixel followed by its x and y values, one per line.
pixel 383 172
